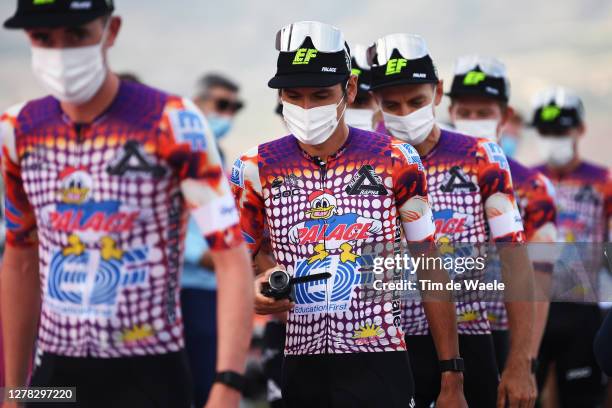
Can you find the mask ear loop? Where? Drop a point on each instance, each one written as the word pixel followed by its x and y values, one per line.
pixel 105 32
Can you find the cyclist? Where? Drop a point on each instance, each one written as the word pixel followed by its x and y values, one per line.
pixel 473 202
pixel 360 113
pixel 584 210
pixel 98 176
pixel 334 198
pixel 479 95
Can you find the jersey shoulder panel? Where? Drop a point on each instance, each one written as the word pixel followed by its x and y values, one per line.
pixel 187 124
pixel 406 153
pixel 245 170
pixel 8 125
pixel 277 151
pixel 492 153
pixel 139 106
pixel 595 172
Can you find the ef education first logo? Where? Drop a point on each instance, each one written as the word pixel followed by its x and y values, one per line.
pixel 395 65
pixel 304 55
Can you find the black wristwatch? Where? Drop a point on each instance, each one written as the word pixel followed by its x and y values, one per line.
pixel 455 364
pixel 231 379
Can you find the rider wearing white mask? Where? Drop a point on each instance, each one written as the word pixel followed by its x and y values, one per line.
pixel 360 113
pixel 473 200
pixel 583 195
pixel 479 95
pixel 329 198
pixel 108 156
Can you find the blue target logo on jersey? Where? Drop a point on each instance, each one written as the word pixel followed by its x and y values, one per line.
pixel 326 295
pixel 86 283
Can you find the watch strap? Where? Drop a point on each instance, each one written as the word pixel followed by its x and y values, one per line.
pixel 454 364
pixel 231 379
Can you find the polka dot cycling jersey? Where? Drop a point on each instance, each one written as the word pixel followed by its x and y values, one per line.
pixel 535 198
pixel 472 199
pixel 105 203
pixel 336 217
pixel 583 198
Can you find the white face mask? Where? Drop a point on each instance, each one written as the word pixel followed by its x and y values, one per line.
pixel 412 128
pixel 312 126
pixel 359 118
pixel 71 75
pixel 557 150
pixel 486 128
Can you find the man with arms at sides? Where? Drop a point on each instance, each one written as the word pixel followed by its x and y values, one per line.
pixel 583 195
pixel 334 198
pixel 479 94
pixel 473 203
pixel 99 176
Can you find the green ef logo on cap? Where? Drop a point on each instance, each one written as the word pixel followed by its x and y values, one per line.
pixel 550 113
pixel 474 78
pixel 304 55
pixel 41 2
pixel 395 65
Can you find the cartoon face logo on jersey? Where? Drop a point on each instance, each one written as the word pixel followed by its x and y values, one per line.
pixel 330 232
pixel 322 205
pixel 75 185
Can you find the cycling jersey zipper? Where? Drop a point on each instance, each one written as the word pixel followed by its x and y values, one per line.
pixel 323 181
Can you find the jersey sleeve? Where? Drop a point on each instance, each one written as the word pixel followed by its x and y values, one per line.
pixel 18 212
pixel 410 188
pixel 246 186
pixel 540 211
pixel 188 146
pixel 495 183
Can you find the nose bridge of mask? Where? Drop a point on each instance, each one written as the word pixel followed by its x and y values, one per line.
pixel 486 128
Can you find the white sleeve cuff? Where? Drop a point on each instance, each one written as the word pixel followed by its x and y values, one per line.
pixel 216 215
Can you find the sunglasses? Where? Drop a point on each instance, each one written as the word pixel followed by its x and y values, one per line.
pixel 225 105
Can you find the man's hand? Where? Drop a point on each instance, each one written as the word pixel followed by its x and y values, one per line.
pixel 265 305
pixel 222 396
pixel 451 391
pixel 517 388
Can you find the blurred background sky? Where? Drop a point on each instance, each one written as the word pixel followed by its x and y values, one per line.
pixel 171 43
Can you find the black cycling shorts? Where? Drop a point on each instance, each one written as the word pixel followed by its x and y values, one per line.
pixel 501 341
pixel 160 381
pixel 272 359
pixel 360 380
pixel 480 379
pixel 568 342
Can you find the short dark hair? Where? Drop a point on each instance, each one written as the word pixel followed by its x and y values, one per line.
pixel 209 81
pixel 342 84
pixel 129 77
